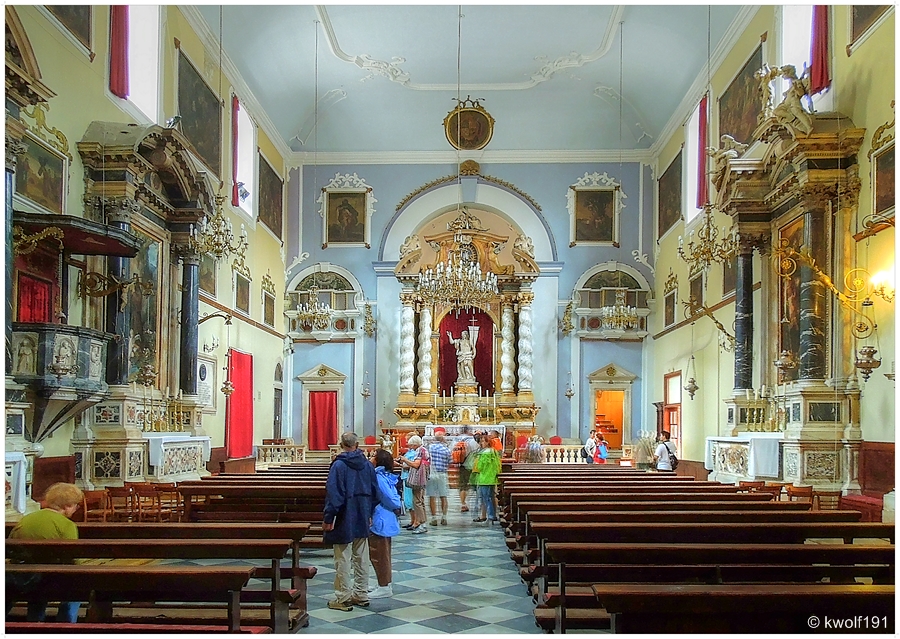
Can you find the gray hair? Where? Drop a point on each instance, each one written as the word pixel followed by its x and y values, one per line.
pixel 414 442
pixel 349 440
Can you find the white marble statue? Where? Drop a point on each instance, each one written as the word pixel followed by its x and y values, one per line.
pixel 465 356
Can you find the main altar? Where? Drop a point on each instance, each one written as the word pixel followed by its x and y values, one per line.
pixel 466 355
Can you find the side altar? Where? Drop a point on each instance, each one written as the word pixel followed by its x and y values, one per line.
pixel 466 329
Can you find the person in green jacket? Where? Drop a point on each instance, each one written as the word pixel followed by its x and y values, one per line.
pixel 487 467
pixel 52 522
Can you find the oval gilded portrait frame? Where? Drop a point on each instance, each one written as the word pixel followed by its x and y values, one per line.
pixel 469 127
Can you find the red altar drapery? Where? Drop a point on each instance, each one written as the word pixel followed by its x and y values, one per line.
pixel 322 419
pixel 484 349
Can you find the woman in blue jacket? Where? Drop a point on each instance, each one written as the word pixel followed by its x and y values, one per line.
pixel 384 523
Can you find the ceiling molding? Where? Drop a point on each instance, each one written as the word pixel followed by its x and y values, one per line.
pixel 393 72
pixel 211 45
pixel 698 87
pixel 449 157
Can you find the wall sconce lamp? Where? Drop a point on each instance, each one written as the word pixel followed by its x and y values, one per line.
pixel 883 285
pixel 570 391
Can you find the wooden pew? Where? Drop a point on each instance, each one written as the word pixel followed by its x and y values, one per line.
pixel 575 566
pixel 732 608
pixel 68 550
pixel 203 492
pixel 108 584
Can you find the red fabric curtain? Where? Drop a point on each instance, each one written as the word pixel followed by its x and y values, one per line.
pixel 702 143
pixel 235 107
pixel 484 349
pixel 35 303
pixel 820 76
pixel 239 406
pixel 118 50
pixel 322 419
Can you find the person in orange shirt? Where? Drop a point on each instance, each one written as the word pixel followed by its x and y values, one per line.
pixel 496 442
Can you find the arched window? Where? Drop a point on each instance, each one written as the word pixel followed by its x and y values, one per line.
pixel 330 289
pixel 611 303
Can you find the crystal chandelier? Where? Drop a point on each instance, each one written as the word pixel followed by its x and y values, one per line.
pixel 459 284
pixel 620 316
pixel 313 312
pixel 215 235
pixel 708 248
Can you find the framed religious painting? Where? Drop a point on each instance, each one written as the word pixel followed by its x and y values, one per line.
pixel 41 178
pixel 271 197
pixel 346 207
pixel 201 114
pixel 144 301
pixel 469 126
pixel 208 273
pixel 669 197
pixel 863 19
pixel 268 309
pixel 696 287
pixel 883 179
pixel 241 294
pixel 729 276
pixel 669 308
pixel 76 19
pixel 594 203
pixel 790 235
pixel 740 104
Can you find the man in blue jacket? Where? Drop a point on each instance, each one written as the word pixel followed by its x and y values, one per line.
pixel 350 497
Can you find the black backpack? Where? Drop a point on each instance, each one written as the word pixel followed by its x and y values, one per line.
pixel 673 460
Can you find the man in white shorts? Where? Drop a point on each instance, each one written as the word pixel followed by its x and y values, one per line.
pixel 438 486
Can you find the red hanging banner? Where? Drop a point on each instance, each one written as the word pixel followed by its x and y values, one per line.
pixel 118 50
pixel 819 72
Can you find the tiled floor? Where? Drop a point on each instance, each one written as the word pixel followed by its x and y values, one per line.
pixel 457 578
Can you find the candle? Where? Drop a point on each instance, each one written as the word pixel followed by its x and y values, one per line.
pixel 435 399
pixel 755 394
pixel 167 391
pixel 748 394
pixel 763 391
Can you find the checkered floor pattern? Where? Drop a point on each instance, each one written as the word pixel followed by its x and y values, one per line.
pixel 456 578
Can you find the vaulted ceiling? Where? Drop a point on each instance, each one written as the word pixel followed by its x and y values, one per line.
pixel 386 76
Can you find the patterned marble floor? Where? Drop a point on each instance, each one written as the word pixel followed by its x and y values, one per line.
pixel 456 578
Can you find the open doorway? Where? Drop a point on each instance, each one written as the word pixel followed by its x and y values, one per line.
pixel 609 415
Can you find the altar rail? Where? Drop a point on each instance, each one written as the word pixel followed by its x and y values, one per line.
pixel 556 454
pixel 367 449
pixel 273 454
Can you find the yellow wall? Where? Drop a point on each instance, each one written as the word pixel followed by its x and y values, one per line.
pixel 864 87
pixel 82 97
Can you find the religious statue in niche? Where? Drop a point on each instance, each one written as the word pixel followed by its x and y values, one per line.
pixel 465 355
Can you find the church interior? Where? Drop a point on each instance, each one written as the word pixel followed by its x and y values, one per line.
pixel 235 232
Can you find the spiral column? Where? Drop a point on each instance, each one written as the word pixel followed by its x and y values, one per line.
pixel 507 348
pixel 424 378
pixel 526 351
pixel 407 343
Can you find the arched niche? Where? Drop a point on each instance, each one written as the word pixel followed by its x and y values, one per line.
pixel 514 210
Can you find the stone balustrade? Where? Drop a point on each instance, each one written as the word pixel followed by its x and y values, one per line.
pixel 277 454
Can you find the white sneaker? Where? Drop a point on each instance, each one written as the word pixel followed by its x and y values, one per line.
pixel 381 592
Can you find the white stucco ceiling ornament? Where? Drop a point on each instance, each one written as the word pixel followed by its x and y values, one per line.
pixel 393 72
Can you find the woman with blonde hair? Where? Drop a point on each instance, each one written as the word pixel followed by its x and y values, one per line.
pixel 53 521
pixel 419 467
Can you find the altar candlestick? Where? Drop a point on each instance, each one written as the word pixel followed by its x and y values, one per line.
pixel 763 391
pixel 748 394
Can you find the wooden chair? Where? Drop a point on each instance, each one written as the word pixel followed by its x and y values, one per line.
pixel 95 505
pixel 799 493
pixel 121 503
pixel 826 499
pixel 774 490
pixel 750 486
pixel 170 499
pixel 149 504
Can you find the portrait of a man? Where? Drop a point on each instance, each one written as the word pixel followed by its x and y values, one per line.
pixel 469 128
pixel 595 216
pixel 346 217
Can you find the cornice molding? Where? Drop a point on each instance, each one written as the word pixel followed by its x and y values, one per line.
pixel 211 46
pixel 298 159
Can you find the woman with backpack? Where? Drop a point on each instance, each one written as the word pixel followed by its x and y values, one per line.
pixel 601 449
pixel 419 469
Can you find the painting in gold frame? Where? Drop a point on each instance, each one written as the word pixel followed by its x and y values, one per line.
pixel 42 176
pixel 670 196
pixel 669 309
pixel 208 274
pixel 863 17
pixel 271 197
pixel 76 19
pixel 883 177
pixel 268 309
pixel 789 296
pixel 241 293
pixel 346 218
pixel 469 127
pixel 201 114
pixel 740 104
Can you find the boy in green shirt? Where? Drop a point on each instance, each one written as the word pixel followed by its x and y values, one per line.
pixel 487 467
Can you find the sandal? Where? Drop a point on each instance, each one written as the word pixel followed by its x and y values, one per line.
pixel 478 520
pixel 464 509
